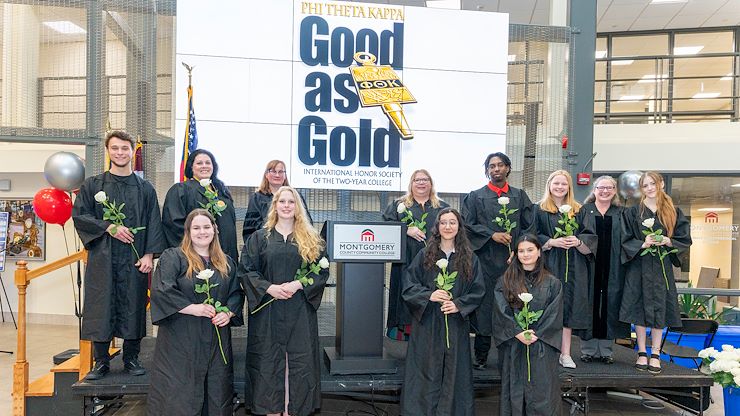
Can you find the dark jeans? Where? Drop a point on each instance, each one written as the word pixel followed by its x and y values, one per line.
pixel 131 348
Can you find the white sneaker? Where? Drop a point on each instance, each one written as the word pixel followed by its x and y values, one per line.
pixel 566 361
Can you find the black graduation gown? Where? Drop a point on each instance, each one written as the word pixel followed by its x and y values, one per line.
pixel 608 282
pixel 438 380
pixel 577 296
pixel 283 326
pixel 188 374
pixel 181 199
pixel 541 396
pixel 646 301
pixel 257 210
pixel 479 208
pixel 115 290
pixel 398 313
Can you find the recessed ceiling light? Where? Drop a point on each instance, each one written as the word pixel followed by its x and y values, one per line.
pixel 700 95
pixel 687 50
pixel 727 77
pixel 444 4
pixel 668 1
pixel 737 185
pixel 512 58
pixel 627 62
pixel 631 98
pixel 600 54
pixel 652 78
pixel 66 27
pixel 713 209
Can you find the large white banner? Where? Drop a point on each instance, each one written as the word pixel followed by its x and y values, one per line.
pixel 272 81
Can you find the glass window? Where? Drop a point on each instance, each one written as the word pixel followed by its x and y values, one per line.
pixel 709 42
pixel 696 66
pixel 708 201
pixel 640 45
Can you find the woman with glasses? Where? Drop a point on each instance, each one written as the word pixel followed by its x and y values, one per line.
pixel 259 204
pixel 438 379
pixel 653 228
pixel 420 199
pixel 604 210
pixel 184 197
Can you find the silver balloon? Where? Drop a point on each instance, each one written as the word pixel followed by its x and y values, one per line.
pixel 65 171
pixel 629 184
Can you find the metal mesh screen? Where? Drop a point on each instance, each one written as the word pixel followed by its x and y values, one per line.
pixel 70 68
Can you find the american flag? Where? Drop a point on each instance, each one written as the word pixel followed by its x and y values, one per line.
pixel 191 135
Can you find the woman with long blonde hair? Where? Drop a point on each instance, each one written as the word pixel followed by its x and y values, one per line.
pixel 569 258
pixel 650 298
pixel 189 374
pixel 420 199
pixel 283 360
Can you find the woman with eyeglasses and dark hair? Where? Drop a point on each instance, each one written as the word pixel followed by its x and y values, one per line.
pixel 604 210
pixel 183 197
pixel 521 394
pixel 438 379
pixel 259 203
pixel 650 299
pixel 420 199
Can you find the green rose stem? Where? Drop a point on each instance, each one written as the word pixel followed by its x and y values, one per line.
pixel 206 288
pixel 524 318
pixel 659 250
pixel 569 226
pixel 301 275
pixel 114 213
pixel 445 281
pixel 505 222
pixel 410 221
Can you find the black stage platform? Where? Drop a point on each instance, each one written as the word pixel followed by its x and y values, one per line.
pixel 575 382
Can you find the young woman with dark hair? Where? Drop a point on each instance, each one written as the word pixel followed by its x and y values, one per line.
pixel 540 395
pixel 420 199
pixel 184 197
pixel 438 379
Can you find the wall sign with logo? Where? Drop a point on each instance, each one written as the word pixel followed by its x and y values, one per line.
pixel 367 242
pixel 281 81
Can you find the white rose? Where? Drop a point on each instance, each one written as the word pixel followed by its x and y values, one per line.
pixel 736 379
pixel 101 197
pixel 205 274
pixel 205 182
pixel 565 208
pixel 727 347
pixel 401 208
pixel 503 201
pixel 648 223
pixel 526 297
pixel 324 263
pixel 707 352
pixel 735 371
pixel 442 263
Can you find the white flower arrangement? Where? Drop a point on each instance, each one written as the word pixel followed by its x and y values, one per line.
pixel 723 366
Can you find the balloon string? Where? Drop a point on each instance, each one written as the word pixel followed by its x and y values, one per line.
pixel 71 274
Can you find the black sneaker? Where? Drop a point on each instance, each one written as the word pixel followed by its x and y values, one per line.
pixel 480 363
pixel 134 368
pixel 586 358
pixel 99 370
pixel 607 360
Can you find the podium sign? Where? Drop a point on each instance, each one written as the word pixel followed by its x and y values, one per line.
pixel 361 251
pixel 368 242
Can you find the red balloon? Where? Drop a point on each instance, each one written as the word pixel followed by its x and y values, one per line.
pixel 54 206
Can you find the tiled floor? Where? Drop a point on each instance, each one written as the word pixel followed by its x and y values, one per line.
pixel 46 340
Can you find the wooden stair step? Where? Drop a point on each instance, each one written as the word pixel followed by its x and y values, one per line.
pixel 42 387
pixel 70 366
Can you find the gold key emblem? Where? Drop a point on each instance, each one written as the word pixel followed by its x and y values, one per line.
pixel 378 85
